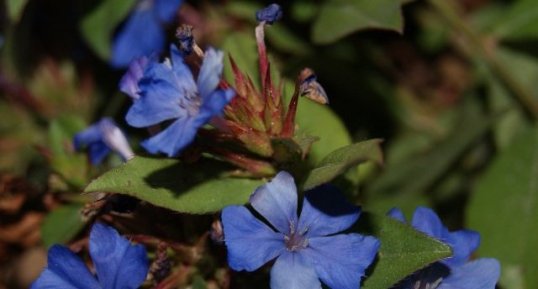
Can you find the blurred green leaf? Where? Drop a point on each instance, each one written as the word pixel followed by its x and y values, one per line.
pixel 62 224
pixel 242 48
pixel 504 209
pixel 403 250
pixel 417 174
pixel 341 160
pixel 518 21
pixel 196 188
pixel 71 166
pixel 15 8
pixel 338 18
pixel 98 27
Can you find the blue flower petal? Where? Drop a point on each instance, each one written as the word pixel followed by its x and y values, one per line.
pixel 427 221
pixel 250 242
pixel 98 151
pixel 215 103
pixel 141 35
pixel 182 77
pixel 326 211
pixel 293 271
pixel 463 243
pixel 89 135
pixel 167 9
pixel 65 270
pixel 478 274
pixel 397 214
pixel 118 263
pixel 135 72
pixel 175 137
pixel 159 98
pixel 340 260
pixel 277 202
pixel 210 72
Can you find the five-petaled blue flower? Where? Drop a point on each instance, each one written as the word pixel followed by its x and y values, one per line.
pixel 101 138
pixel 456 272
pixel 118 264
pixel 143 32
pixel 306 247
pixel 167 91
pixel 269 14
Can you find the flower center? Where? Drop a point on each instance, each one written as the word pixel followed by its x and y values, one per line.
pixel 295 240
pixel 191 103
pixel 422 284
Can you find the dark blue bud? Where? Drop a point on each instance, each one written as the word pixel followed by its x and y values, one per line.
pixel 269 14
pixel 185 39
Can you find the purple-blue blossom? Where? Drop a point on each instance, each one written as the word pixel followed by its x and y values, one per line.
pixel 101 138
pixel 143 33
pixel 168 92
pixel 307 247
pixel 457 271
pixel 118 264
pixel 269 14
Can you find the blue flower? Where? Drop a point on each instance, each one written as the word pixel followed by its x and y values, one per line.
pixel 455 272
pixel 118 264
pixel 135 72
pixel 269 14
pixel 168 92
pixel 306 248
pixel 101 138
pixel 143 32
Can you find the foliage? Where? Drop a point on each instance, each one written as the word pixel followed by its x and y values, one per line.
pixel 430 103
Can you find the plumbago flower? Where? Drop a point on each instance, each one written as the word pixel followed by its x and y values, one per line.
pixel 143 32
pixel 457 271
pixel 101 138
pixel 305 247
pixel 167 91
pixel 118 264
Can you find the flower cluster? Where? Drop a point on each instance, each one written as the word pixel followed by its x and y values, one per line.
pixel 457 271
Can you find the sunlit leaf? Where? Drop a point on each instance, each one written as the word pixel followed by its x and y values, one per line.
pixel 339 161
pixel 195 188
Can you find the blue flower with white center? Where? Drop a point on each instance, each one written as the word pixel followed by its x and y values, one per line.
pixel 269 14
pixel 168 92
pixel 101 138
pixel 306 247
pixel 118 264
pixel 143 32
pixel 453 273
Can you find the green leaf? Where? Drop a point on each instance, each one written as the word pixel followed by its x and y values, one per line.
pixel 518 21
pixel 326 125
pixel 71 166
pixel 196 188
pixel 339 18
pixel 15 9
pixel 62 224
pixel 242 48
pixel 403 250
pixel 504 209
pixel 415 175
pixel 98 26
pixel 340 160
